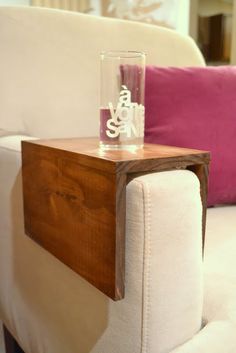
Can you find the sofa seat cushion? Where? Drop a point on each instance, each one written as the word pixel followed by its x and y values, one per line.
pixel 220 251
pixel 219 312
pixel 220 265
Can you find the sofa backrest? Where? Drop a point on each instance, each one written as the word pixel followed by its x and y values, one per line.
pixel 49 66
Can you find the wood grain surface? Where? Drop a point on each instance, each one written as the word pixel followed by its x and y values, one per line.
pixel 75 200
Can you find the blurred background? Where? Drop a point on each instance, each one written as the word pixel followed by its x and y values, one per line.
pixel 211 23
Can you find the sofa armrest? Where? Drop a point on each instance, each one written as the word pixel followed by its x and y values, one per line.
pixel 13 141
pixel 173 283
pixel 163 303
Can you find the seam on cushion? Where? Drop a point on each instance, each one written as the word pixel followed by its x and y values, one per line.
pixel 146 267
pixel 140 186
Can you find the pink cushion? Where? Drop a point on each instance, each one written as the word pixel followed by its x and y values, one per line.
pixel 196 108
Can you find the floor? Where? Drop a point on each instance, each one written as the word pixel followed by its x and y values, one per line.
pixel 1 340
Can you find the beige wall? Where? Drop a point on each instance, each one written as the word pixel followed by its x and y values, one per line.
pixel 214 7
pixel 14 2
pixel 233 50
pixel 72 5
pixel 193 19
pixel 228 37
pixel 169 13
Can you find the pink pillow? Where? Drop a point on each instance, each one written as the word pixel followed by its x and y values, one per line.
pixel 196 108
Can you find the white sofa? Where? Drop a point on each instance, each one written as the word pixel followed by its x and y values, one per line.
pixel 49 87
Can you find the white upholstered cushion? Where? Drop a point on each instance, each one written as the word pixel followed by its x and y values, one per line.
pixel 218 335
pixel 13 142
pixel 7 133
pixel 49 70
pixel 51 309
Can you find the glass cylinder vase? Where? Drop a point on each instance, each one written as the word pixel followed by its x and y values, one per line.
pixel 122 100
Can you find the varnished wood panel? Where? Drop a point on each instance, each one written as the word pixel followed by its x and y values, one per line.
pixel 74 201
pixel 202 171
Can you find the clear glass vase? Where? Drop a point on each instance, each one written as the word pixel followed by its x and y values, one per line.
pixel 122 100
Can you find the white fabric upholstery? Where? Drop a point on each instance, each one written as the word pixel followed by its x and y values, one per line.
pixel 216 337
pixel 7 133
pixel 219 311
pixel 13 142
pixel 49 68
pixel 51 309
